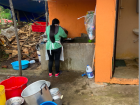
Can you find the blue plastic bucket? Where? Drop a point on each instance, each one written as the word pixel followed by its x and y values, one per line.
pixel 24 64
pixel 48 103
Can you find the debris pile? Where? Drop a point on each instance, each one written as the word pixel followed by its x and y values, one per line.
pixel 28 41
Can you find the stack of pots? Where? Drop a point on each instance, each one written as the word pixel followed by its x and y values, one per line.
pixel 33 94
pixel 38 93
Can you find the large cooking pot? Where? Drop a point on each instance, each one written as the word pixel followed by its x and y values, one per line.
pixel 37 93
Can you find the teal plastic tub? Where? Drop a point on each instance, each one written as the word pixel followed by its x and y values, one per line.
pixel 24 64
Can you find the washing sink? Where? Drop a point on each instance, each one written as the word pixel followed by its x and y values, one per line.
pixel 136 31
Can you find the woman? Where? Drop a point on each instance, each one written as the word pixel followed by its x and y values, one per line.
pixel 54 48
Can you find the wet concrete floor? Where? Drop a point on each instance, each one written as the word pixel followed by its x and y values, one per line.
pixel 65 77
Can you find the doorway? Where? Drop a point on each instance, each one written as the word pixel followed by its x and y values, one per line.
pixel 125 60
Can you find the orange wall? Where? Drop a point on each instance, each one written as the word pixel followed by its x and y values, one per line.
pixel 105 25
pixel 67 11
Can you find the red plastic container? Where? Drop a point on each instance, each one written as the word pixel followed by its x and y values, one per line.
pixel 39 28
pixel 14 86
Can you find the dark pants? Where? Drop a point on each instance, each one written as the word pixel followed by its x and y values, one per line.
pixel 55 54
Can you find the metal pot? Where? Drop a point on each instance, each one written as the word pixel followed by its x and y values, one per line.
pixel 57 97
pixel 36 93
pixel 15 101
pixel 56 93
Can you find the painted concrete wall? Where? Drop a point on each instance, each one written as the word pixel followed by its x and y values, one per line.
pixel 128 20
pixel 67 11
pixel 105 26
pixel 76 56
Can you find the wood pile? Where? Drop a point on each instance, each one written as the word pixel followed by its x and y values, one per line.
pixel 28 41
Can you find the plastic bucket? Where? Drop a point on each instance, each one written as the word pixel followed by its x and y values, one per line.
pixel 14 86
pixel 48 103
pixel 2 95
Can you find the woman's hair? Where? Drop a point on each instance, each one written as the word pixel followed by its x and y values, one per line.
pixel 52 29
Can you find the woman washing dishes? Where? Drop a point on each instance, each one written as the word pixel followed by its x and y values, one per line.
pixel 54 47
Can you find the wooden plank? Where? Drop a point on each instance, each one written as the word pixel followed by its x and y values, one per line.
pixel 21 40
pixel 12 39
pixel 8 51
pixel 30 45
pixel 14 46
pixel 25 50
pixel 22 32
pixel 26 45
pixel 30 29
pixel 15 52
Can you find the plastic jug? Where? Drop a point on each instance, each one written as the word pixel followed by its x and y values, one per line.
pixel 39 56
pixel 89 72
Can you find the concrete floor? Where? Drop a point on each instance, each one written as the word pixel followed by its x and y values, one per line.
pixel 131 70
pixel 78 90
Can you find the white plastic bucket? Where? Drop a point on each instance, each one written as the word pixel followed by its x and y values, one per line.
pixel 89 72
pixel 39 56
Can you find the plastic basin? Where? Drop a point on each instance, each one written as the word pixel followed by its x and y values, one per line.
pixel 14 86
pixel 24 64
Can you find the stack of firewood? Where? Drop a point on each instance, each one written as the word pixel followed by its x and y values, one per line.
pixel 28 41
